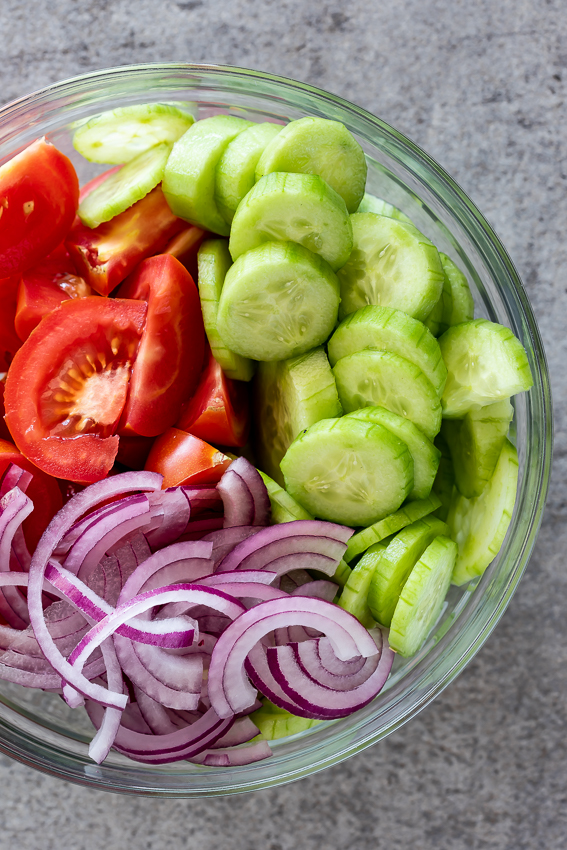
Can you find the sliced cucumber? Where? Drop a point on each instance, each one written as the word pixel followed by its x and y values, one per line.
pixel 485 363
pixel 290 396
pixel 298 208
pixel 370 203
pixel 354 595
pixel 445 478
pixel 213 262
pixel 422 597
pixel 278 300
pixel 348 471
pixel 323 147
pixel 458 303
pixel 397 562
pixel 475 443
pixel 479 525
pixel 425 455
pixel 189 179
pixel 369 378
pixel 121 134
pixel 124 187
pixel 434 322
pixel 274 722
pixel 342 573
pixel 392 265
pixel 284 506
pixel 390 330
pixel 235 173
pixel 409 513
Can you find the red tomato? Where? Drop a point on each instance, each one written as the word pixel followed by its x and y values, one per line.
pixel 43 490
pixel 106 254
pixel 67 386
pixel 39 195
pixel 4 433
pixel 9 339
pixel 219 410
pixel 171 353
pixel 184 459
pixel 185 246
pixel 43 288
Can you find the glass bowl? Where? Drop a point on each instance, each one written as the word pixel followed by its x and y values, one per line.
pixel 37 728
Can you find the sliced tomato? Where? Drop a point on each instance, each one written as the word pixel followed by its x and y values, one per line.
pixel 185 247
pixel 219 410
pixel 67 386
pixel 9 339
pixel 4 433
pixel 171 353
pixel 184 459
pixel 39 196
pixel 43 490
pixel 43 288
pixel 105 255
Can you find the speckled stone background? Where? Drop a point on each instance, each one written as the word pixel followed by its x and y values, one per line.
pixel 481 87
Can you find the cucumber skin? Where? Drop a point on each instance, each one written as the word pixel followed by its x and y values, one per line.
pixel 370 203
pixel 445 478
pixel 284 506
pixel 458 304
pixel 354 595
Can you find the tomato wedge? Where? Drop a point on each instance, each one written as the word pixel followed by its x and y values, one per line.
pixel 185 247
pixel 184 459
pixel 171 353
pixel 9 339
pixel 44 287
pixel 219 411
pixel 106 254
pixel 39 196
pixel 67 386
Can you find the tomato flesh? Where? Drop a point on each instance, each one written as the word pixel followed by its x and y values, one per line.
pixel 185 247
pixel 10 342
pixel 171 353
pixel 39 196
pixel 68 383
pixel 184 459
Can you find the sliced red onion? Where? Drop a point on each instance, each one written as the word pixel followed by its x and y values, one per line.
pixel 237 499
pixel 14 508
pixel 176 514
pixel 318 589
pixel 202 498
pixel 104 738
pixel 180 672
pixel 234 756
pixel 261 676
pixel 226 539
pixel 156 717
pixel 241 732
pixel 199 528
pixel 146 681
pixel 195 554
pixel 220 579
pixel 308 658
pixel 249 475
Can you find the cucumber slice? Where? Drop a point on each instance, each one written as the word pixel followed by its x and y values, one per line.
pixel 390 330
pixel 189 179
pixel 475 443
pixel 425 455
pixel 284 506
pixel 485 363
pixel 370 203
pixel 354 595
pixel 290 396
pixel 479 525
pixel 393 265
pixel 121 134
pixel 278 300
pixel 445 478
pixel 293 208
pixel 434 322
pixel 323 147
pixel 369 378
pixel 213 262
pixel 274 722
pixel 124 187
pixel 348 471
pixel 422 597
pixel 458 301
pixel 235 174
pixel 409 513
pixel 397 562
pixel 342 573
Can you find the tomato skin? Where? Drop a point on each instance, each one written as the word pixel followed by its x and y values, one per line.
pixel 185 246
pixel 35 390
pixel 219 410
pixel 184 459
pixel 44 287
pixel 4 432
pixel 10 342
pixel 39 196
pixel 43 490
pixel 105 255
pixel 171 353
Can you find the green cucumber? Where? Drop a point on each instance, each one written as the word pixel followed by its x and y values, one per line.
pixel 422 597
pixel 319 146
pixel 213 262
pixel 397 562
pixel 342 573
pixel 434 322
pixel 354 595
pixel 298 208
pixel 284 507
pixel 290 396
pixel 485 363
pixel 392 265
pixel 425 455
pixel 124 187
pixel 348 471
pixel 475 443
pixel 189 178
pixel 390 330
pixel 274 722
pixel 370 203
pixel 479 525
pixel 278 300
pixel 458 303
pixel 235 174
pixel 369 378
pixel 122 134
pixel 445 478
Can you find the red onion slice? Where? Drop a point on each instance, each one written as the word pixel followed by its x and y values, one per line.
pixel 252 480
pixel 225 539
pixel 177 512
pixel 234 756
pixel 196 554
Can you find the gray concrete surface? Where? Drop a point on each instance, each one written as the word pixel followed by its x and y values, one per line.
pixel 481 86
